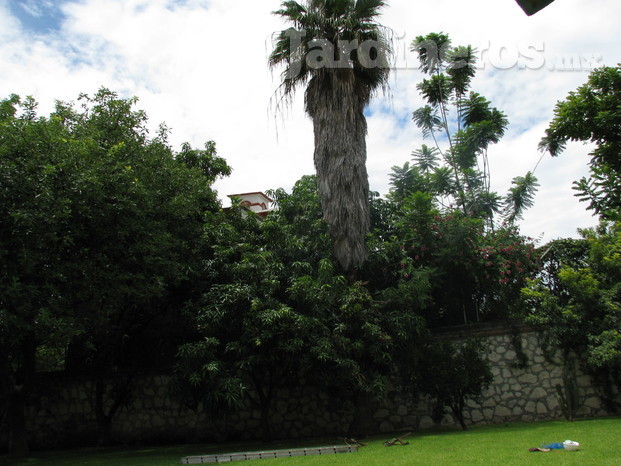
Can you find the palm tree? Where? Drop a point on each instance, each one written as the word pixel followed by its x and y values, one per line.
pixel 340 53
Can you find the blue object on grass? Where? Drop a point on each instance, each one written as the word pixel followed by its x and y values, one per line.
pixel 553 446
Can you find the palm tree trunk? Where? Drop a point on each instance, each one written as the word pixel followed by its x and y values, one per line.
pixel 336 104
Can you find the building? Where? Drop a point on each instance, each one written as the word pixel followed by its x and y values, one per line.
pixel 256 202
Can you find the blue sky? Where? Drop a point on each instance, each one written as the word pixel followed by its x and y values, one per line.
pixel 201 67
pixel 38 16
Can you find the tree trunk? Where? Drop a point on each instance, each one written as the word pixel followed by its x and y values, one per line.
pixel 104 419
pixel 335 102
pixel 458 412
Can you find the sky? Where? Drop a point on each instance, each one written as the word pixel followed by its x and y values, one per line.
pixel 200 67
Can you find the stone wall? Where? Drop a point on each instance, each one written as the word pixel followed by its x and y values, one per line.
pixel 515 395
pixel 63 413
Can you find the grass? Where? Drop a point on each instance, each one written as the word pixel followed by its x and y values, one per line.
pixel 600 441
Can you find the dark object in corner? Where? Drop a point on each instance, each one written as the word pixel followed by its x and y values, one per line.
pixel 531 7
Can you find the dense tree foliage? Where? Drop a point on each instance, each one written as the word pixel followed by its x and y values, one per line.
pixel 279 314
pixel 576 300
pixel 577 304
pixel 592 114
pixel 441 211
pixel 98 226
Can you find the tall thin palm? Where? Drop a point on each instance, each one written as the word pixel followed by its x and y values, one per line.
pixel 335 98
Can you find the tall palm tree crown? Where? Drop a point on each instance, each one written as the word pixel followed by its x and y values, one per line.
pixel 341 54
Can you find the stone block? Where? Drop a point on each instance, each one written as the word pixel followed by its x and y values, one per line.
pixel 583 381
pixel 494 357
pixel 402 410
pixel 386 426
pixel 553 403
pixel 381 413
pixel 530 407
pixel 527 378
pixel 593 403
pixel 425 422
pixel 489 402
pixel 476 415
pixel 502 411
pixel 538 393
pixel 470 403
pixel 281 407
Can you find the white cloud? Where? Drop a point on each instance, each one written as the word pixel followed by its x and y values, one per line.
pixel 201 66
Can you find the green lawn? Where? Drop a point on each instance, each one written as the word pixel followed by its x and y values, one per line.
pixel 600 441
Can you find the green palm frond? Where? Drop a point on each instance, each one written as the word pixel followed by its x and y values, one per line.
pixel 485 204
pixel 475 108
pixel 461 63
pixel 436 90
pixel 331 21
pixel 442 181
pixel 427 119
pixel 432 50
pixel 292 11
pixel 426 158
pixel 521 196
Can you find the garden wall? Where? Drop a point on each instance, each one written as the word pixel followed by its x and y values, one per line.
pixel 63 414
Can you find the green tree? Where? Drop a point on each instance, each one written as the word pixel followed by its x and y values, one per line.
pixel 577 304
pixel 592 114
pixel 99 224
pixel 451 374
pixel 279 314
pixel 469 125
pixel 34 211
pixel 340 53
pixel 476 273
